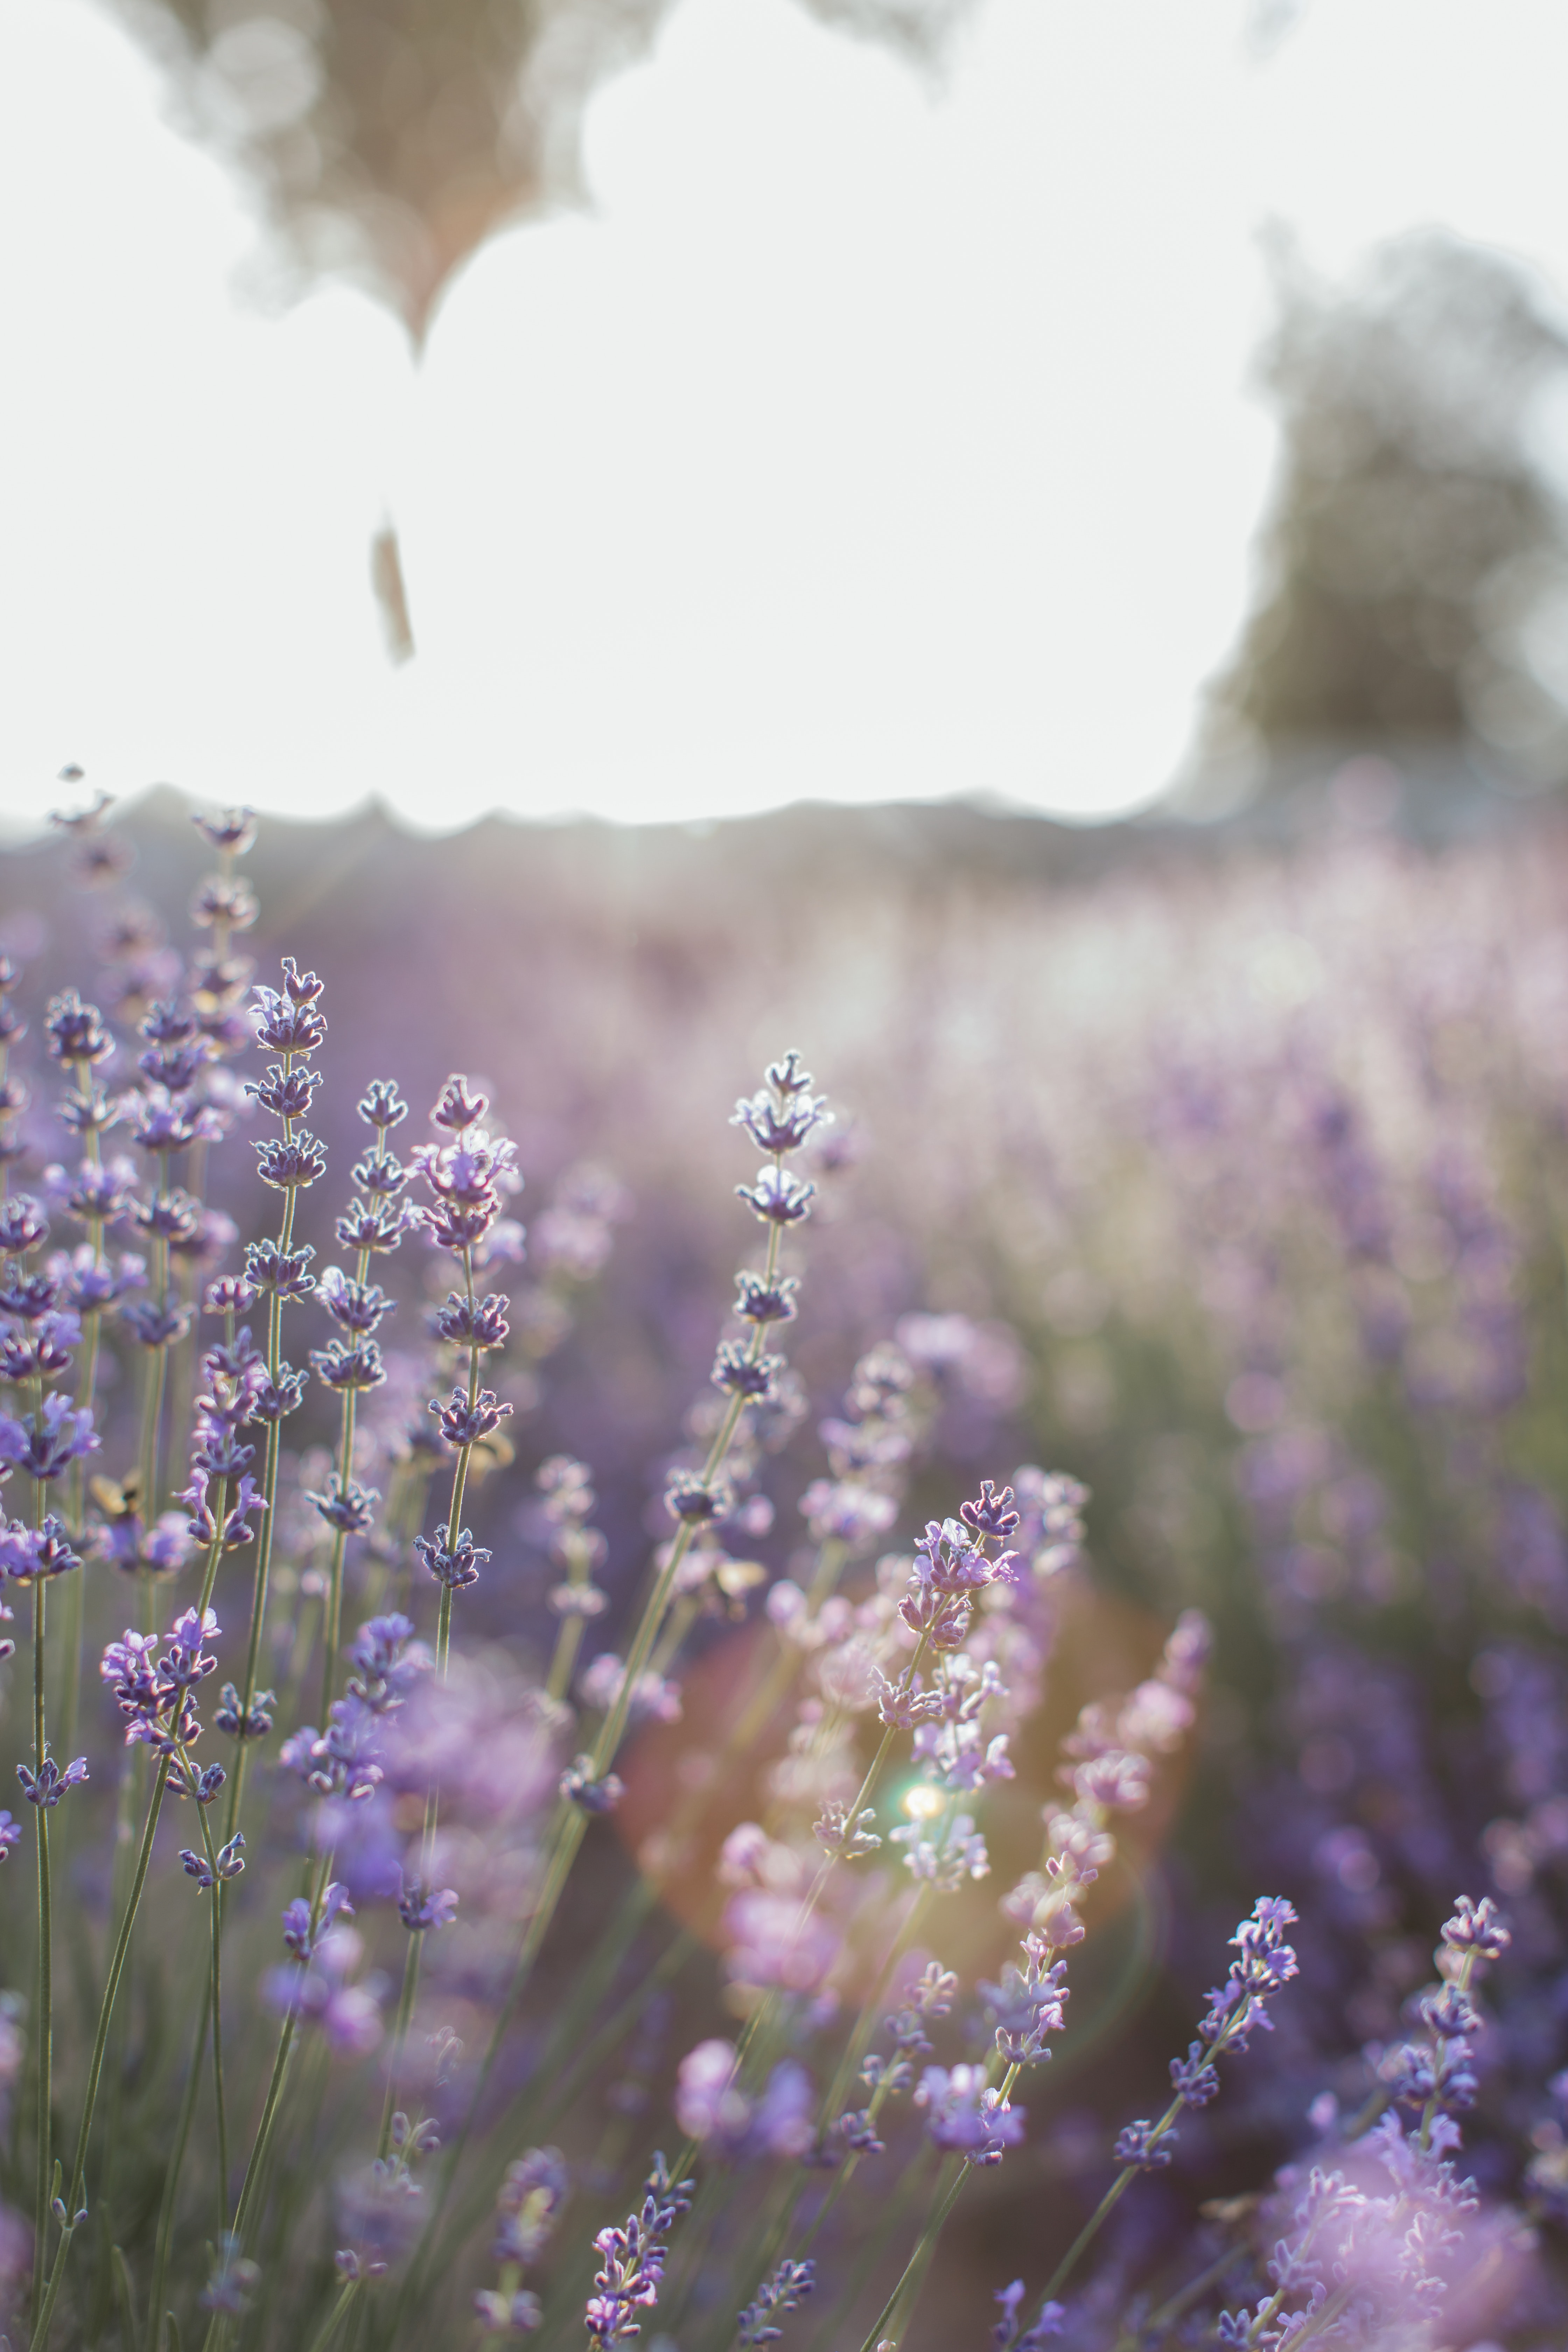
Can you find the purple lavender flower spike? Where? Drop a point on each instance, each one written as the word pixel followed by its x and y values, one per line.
pixel 10 1833
pixel 634 2258
pixel 1142 2145
pixel 784 2290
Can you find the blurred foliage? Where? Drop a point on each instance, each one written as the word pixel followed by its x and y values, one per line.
pixel 1415 569
pixel 389 138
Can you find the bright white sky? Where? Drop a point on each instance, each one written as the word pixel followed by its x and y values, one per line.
pixel 867 440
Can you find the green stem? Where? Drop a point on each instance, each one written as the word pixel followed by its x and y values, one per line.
pixel 172 2177
pixel 399 2036
pixel 332 1637
pixel 329 2327
pixel 216 1983
pixel 914 2269
pixel 94 2069
pixel 46 1957
pixel 257 1617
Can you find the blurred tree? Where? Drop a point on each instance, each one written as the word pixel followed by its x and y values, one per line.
pixel 1414 580
pixel 390 137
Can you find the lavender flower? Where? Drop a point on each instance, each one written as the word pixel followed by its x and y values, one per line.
pixel 784 2290
pixel 633 2259
pixel 462 1423
pixel 1007 2336
pixel 49 1784
pixel 23 1225
pixel 229 1858
pixel 457 1565
pixel 966 2116
pixel 41 1551
pixel 350 1508
pixel 10 1833
pixel 778 1197
pixel 419 1908
pixel 289 1021
pixel 43 1444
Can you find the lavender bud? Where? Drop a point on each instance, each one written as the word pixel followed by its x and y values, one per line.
pixel 579 1787
pixel 224 899
pixel 763 1302
pixel 289 1023
pixel 340 1367
pixel 1139 2143
pixel 739 1373
pixel 233 1718
pixel 456 1108
pixel 365 1225
pixel 381 1105
pixel 481 1324
pixel 232 830
pixel 462 1423
pixel 289 1167
pixel 45 1787
pixel 419 1909
pixel 456 1567
pixel 778 1197
pixel 23 1224
pixel 356 1307
pixel 695 1501
pixel 285 1093
pixel 349 1509
pixel 76 1030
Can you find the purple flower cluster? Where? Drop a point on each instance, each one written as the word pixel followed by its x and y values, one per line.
pixel 633 2255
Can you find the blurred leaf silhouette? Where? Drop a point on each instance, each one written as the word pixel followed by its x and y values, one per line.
pixel 389 138
pixel 1415 573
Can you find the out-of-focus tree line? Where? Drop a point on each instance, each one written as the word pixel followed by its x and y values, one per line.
pixel 390 138
pixel 1412 595
pixel 1412 587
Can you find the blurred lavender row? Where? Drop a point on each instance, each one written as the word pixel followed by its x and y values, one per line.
pixel 669 1838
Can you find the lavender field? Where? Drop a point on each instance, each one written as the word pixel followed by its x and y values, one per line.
pixel 798 1582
